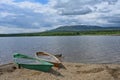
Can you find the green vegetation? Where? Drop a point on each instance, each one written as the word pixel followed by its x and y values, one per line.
pixel 72 30
pixel 69 33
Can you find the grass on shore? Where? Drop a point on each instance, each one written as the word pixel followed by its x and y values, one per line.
pixel 71 33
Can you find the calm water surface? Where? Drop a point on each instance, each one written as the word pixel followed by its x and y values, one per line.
pixel 85 49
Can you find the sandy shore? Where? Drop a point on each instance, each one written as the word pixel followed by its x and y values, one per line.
pixel 73 71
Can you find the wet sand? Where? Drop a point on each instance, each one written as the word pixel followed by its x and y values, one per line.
pixel 73 71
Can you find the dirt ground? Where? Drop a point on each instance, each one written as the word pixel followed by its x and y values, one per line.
pixel 73 71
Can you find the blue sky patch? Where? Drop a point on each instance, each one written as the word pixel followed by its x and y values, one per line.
pixel 40 1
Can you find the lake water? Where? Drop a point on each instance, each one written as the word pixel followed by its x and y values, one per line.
pixel 85 49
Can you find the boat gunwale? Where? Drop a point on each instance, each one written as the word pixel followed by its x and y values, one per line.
pixel 48 54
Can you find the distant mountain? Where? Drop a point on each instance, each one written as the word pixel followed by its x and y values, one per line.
pixel 82 28
pixel 71 31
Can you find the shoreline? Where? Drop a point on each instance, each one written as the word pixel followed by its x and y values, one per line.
pixel 66 33
pixel 73 71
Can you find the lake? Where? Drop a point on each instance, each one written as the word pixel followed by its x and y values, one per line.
pixel 83 49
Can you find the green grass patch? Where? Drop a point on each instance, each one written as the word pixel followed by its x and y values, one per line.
pixel 71 33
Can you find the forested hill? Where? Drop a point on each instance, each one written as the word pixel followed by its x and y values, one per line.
pixel 71 31
pixel 83 28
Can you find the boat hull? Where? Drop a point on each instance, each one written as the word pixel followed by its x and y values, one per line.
pixel 31 63
pixel 55 64
pixel 38 67
pixel 55 61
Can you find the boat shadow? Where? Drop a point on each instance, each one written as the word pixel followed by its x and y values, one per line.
pixel 55 73
pixel 61 66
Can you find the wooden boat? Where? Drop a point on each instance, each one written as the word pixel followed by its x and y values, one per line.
pixel 31 63
pixel 49 58
pixel 58 55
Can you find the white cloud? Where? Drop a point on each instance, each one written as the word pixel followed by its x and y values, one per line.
pixel 35 24
pixel 7 30
pixel 6 1
pixel 34 16
pixel 5 14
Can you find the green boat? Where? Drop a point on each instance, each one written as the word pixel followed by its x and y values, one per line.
pixel 31 63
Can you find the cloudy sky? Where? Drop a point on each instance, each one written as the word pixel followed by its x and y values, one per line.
pixel 18 16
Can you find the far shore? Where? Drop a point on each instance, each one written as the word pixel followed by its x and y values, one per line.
pixel 66 33
pixel 73 71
